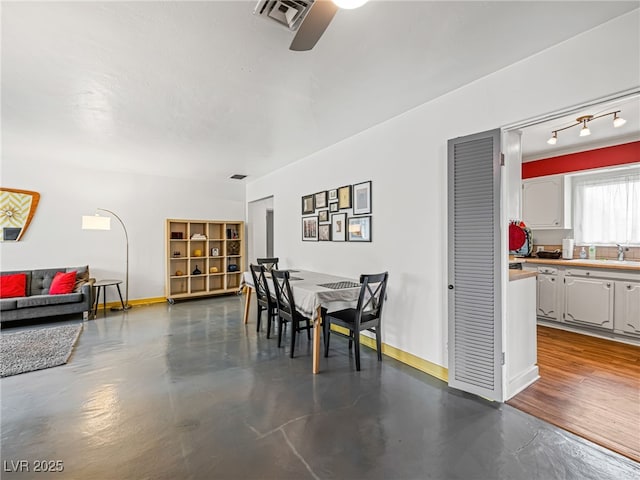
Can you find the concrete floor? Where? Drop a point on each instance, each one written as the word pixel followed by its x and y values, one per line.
pixel 186 391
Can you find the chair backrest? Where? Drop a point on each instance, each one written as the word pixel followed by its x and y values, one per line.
pixel 284 295
pixel 260 281
pixel 269 263
pixel 372 294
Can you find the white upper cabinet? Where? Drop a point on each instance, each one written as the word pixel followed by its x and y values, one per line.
pixel 546 202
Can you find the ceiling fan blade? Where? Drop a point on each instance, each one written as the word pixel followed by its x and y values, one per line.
pixel 313 25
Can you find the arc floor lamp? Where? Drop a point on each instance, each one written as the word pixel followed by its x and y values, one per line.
pixel 98 222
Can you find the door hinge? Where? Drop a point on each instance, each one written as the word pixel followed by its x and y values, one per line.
pixel 502 358
pixel 502 159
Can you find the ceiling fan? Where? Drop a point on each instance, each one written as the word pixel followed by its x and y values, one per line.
pixel 309 18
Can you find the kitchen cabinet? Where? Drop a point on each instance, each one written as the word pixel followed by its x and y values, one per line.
pixel 588 301
pixel 546 202
pixel 547 293
pixel 628 307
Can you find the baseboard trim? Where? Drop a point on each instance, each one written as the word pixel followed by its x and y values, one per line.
pixel 133 303
pixel 407 358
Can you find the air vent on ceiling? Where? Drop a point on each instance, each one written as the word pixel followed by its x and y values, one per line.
pixel 289 13
pixel 237 176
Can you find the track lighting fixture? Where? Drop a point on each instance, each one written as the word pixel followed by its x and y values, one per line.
pixel 583 120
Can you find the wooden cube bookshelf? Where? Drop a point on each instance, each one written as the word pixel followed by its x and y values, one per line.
pixel 211 246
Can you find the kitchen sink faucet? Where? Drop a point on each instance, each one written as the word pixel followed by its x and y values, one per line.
pixel 621 251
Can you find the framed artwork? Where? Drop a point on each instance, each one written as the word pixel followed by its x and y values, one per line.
pixel 362 198
pixel 323 215
pixel 344 197
pixel 17 208
pixel 308 205
pixel 339 227
pixel 333 207
pixel 333 194
pixel 359 229
pixel 324 233
pixel 310 229
pixel 321 199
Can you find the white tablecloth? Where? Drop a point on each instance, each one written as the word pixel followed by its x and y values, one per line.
pixel 309 295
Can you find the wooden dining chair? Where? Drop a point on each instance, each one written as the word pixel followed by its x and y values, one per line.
pixel 269 263
pixel 287 311
pixel 263 296
pixel 366 315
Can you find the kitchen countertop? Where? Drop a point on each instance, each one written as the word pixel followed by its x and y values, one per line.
pixel 578 262
pixel 520 274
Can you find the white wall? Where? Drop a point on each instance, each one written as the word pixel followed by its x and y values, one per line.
pixel 406 157
pixel 55 237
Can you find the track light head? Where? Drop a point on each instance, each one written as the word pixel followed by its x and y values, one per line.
pixel 618 121
pixel 554 138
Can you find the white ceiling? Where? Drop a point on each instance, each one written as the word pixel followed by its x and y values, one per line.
pixel 207 88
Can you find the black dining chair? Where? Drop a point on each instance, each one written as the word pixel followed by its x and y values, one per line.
pixel 263 296
pixel 269 263
pixel 366 315
pixel 287 311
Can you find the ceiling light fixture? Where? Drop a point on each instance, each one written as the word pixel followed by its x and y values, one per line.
pixel 350 4
pixel 583 120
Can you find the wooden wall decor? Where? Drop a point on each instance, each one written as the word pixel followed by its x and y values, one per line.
pixel 17 208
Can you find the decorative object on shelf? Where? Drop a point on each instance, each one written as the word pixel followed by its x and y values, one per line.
pixel 232 234
pixel 520 239
pixel 362 198
pixel 338 227
pixel 344 197
pixel 215 252
pixel 176 236
pixel 232 267
pixel 179 273
pixel 307 204
pixel 323 216
pixel 213 269
pixel 583 120
pixel 333 207
pixel 310 229
pixel 176 253
pixel 324 232
pixel 17 208
pixel 320 199
pixel 198 236
pixel 360 229
pixel 233 248
pixel 553 254
pixel 197 252
pixel 196 271
pixel 97 222
pixel 333 194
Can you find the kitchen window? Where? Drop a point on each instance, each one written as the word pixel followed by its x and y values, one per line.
pixel 606 207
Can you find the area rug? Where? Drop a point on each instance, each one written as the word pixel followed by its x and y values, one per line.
pixel 36 348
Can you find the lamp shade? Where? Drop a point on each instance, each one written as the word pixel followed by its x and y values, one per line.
pixel 96 222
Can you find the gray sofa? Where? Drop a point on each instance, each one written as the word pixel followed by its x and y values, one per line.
pixel 38 303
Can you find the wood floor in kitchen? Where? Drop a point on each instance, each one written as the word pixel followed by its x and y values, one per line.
pixel 588 386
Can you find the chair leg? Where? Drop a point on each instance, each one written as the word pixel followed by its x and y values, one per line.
pixel 308 330
pixel 326 327
pixel 379 343
pixel 356 340
pixel 259 318
pixel 294 331
pixel 269 319
pixel 280 327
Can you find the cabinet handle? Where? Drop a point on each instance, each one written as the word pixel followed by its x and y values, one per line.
pixel 608 285
pixel 553 279
pixel 588 273
pixel 628 287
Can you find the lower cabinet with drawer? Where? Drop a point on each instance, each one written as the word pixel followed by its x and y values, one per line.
pixel 603 300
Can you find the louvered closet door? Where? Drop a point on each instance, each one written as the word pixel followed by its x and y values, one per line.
pixel 475 331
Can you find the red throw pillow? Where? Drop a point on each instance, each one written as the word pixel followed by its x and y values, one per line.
pixel 62 283
pixel 13 285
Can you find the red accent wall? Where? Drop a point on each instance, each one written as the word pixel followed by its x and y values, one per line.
pixel 575 162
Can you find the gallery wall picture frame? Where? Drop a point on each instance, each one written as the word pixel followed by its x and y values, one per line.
pixel 308 206
pixel 321 200
pixel 333 207
pixel 310 229
pixel 344 197
pixel 323 215
pixel 324 232
pixel 339 227
pixel 333 194
pixel 362 198
pixel 359 229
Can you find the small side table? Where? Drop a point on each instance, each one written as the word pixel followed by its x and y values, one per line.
pixel 102 285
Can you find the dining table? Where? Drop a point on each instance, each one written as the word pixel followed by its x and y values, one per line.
pixel 312 291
